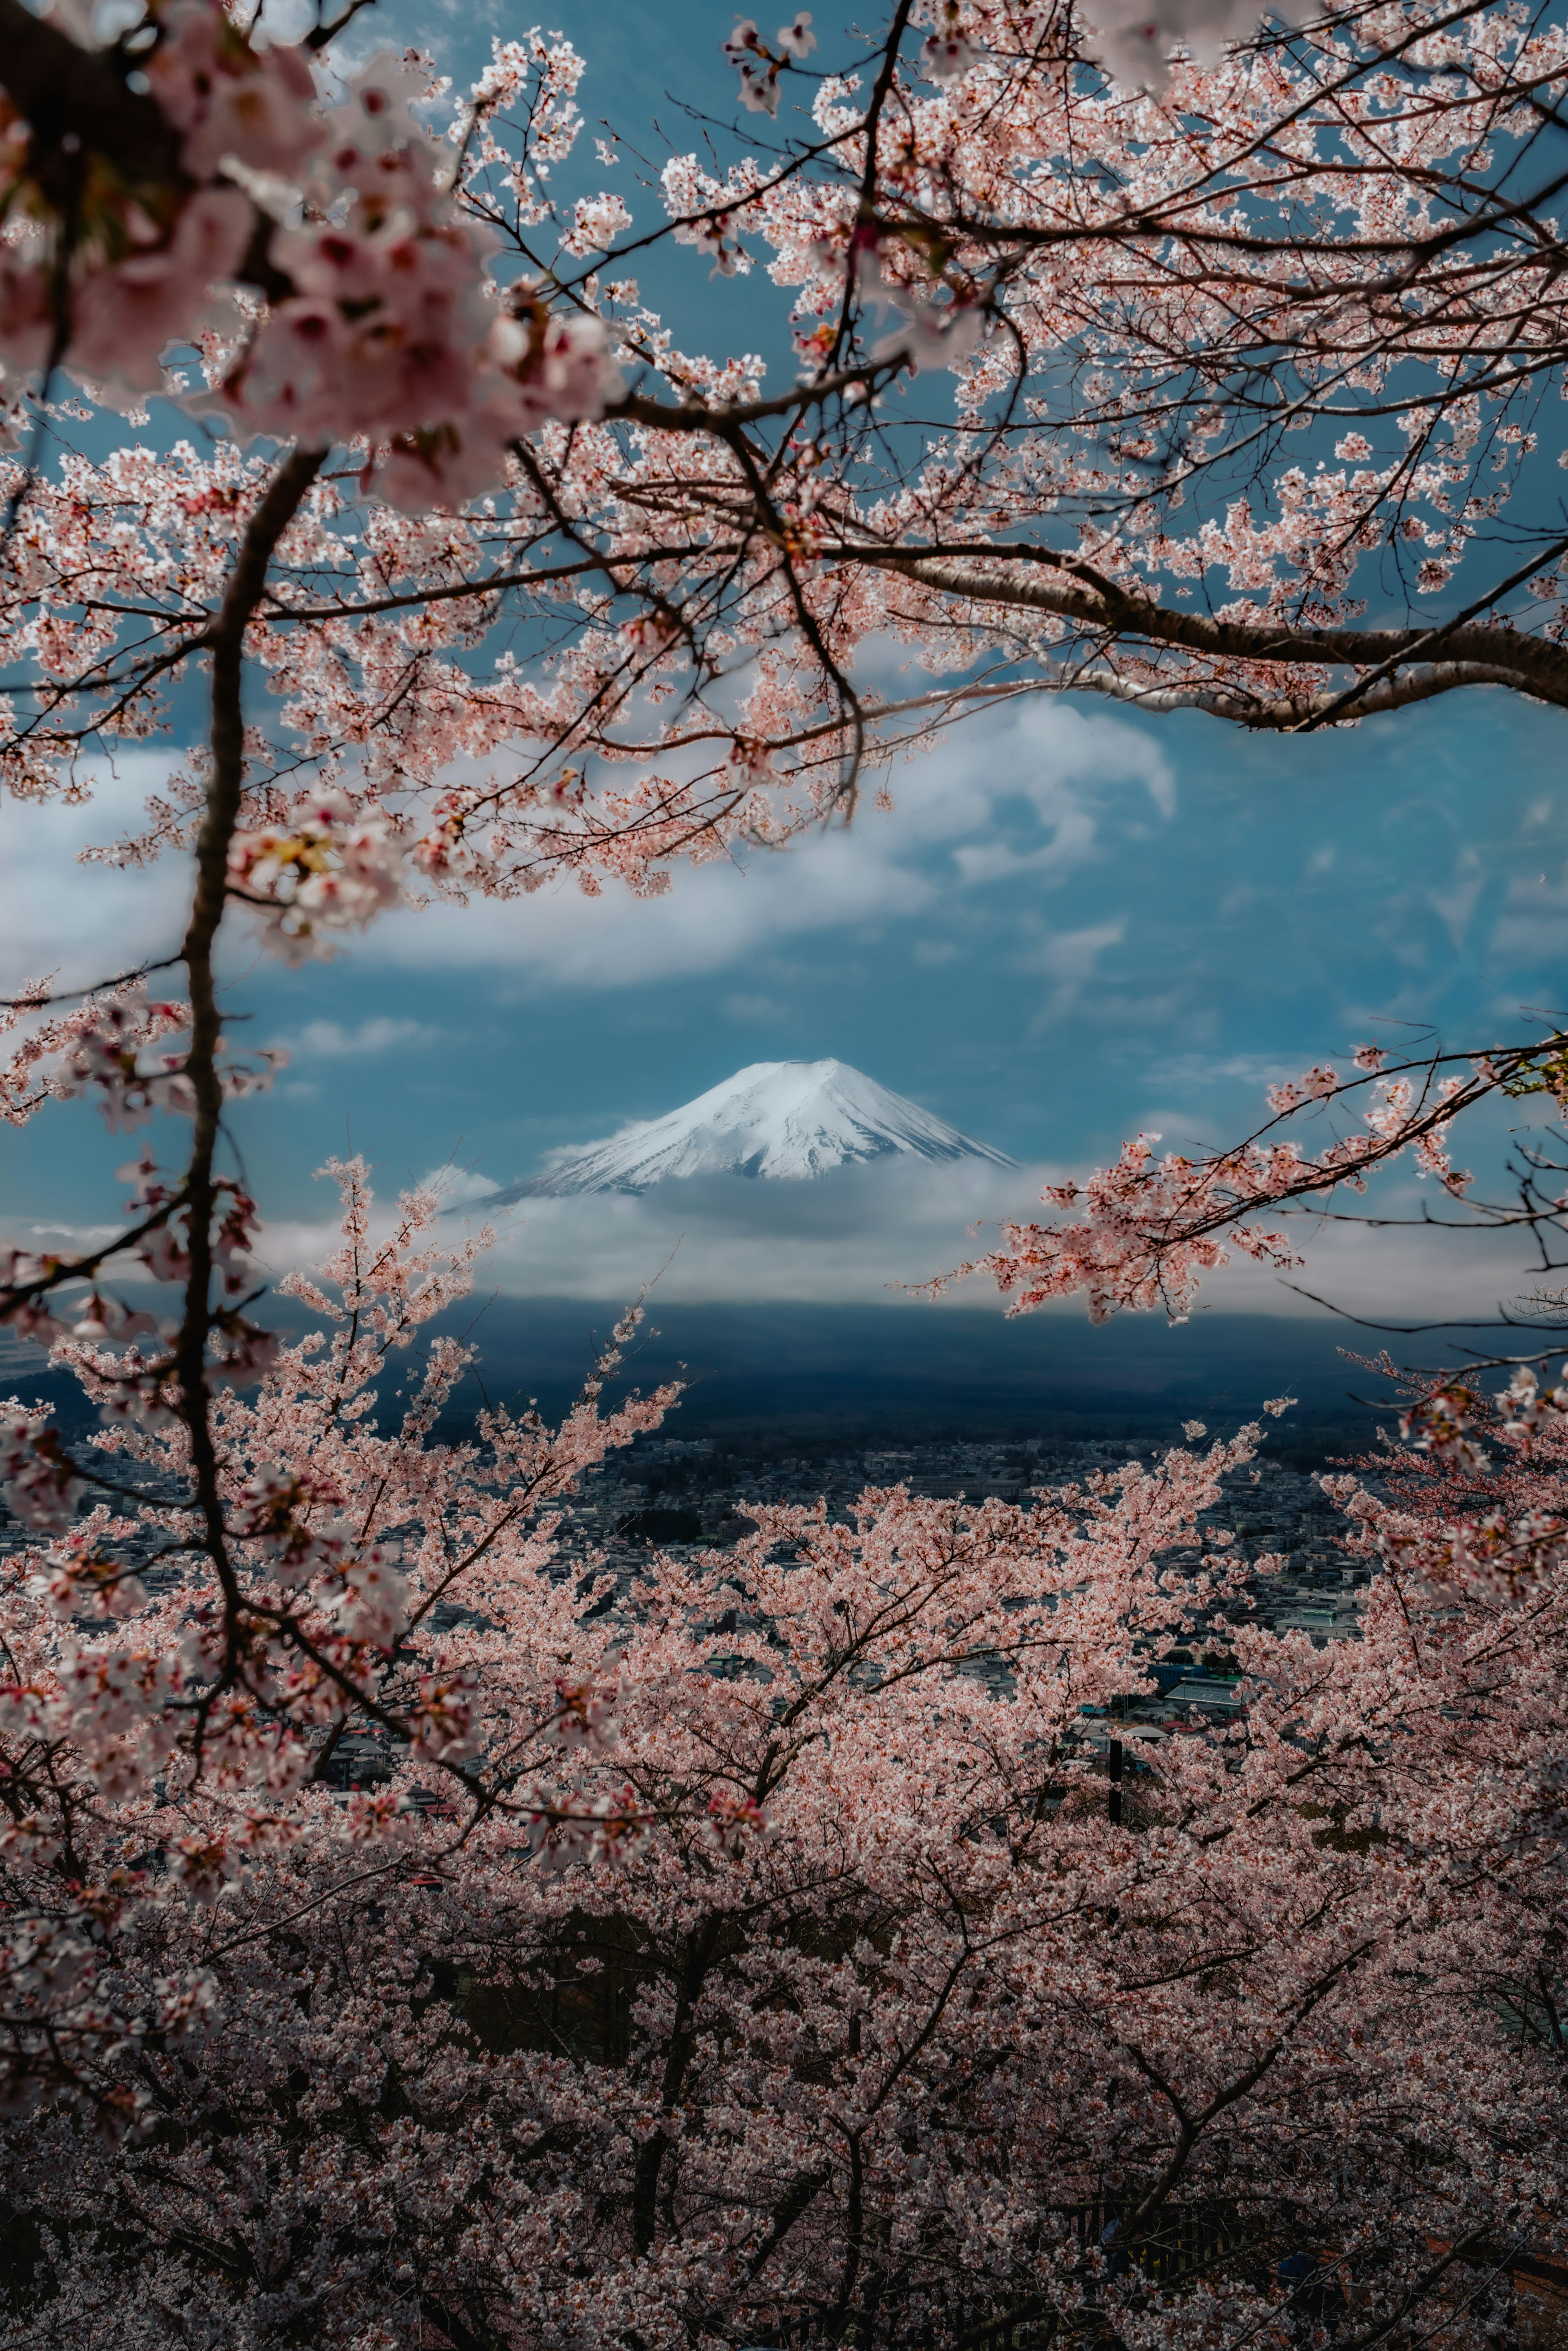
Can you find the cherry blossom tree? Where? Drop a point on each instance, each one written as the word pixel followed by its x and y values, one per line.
pixel 666 1991
pixel 824 1994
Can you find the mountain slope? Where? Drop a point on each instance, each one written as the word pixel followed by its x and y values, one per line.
pixel 787 1120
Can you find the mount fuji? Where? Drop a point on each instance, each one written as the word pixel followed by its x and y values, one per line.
pixel 787 1121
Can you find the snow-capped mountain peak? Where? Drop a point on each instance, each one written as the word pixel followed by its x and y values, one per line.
pixel 784 1120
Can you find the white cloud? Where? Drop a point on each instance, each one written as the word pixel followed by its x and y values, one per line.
pixel 79 1237
pixel 460 1187
pixel 1070 956
pixel 330 1041
pixel 848 1236
pixel 858 1234
pixel 86 923
pixel 1070 959
pixel 1533 926
pixel 1454 906
pixel 968 813
pixel 1038 787
pixel 1409 1276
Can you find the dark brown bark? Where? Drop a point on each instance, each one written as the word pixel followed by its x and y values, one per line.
pixel 1476 653
pixel 68 93
pixel 701 1945
pixel 246 582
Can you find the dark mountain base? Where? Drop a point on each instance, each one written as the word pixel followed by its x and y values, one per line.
pixel 812 1375
pixel 809 1378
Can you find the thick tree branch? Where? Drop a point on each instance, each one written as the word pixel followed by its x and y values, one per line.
pixel 248 584
pixel 68 93
pixel 1475 654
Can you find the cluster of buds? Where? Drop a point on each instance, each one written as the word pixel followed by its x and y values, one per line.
pixel 1314 1085
pixel 760 66
pixel 1529 1408
pixel 75 1578
pixel 732 1821
pixel 329 868
pixel 105 1054
pixel 1440 1424
pixel 38 1479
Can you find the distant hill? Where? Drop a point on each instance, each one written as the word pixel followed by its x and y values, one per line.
pixel 825 1376
pixel 848 1374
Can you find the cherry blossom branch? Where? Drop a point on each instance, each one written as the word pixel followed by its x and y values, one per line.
pixel 1149 1230
pixel 1423 645
pixel 96 987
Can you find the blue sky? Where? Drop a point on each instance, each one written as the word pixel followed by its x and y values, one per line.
pixel 1076 923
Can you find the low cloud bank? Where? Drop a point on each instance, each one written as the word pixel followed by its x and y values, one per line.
pixel 859 1233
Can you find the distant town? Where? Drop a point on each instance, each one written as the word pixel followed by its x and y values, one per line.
pixel 690 1495
pixel 686 1495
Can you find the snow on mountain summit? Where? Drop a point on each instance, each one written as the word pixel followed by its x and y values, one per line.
pixel 785 1120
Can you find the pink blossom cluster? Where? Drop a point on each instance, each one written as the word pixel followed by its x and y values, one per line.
pixel 949 51
pixel 391 336
pixel 759 66
pixel 80 1576
pixel 98 1044
pixel 329 867
pixel 105 1055
pixel 38 1483
pixel 1440 1423
pixel 138 283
